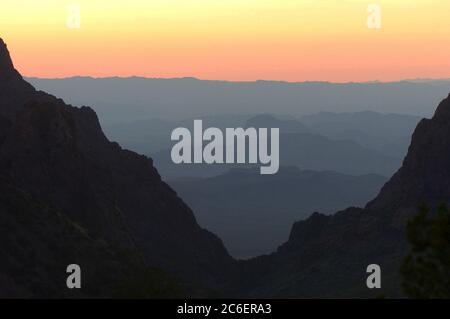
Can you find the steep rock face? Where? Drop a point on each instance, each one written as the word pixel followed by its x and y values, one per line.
pixel 14 91
pixel 425 174
pixel 327 256
pixel 58 154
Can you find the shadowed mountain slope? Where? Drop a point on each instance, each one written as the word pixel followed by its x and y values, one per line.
pixel 59 155
pixel 327 256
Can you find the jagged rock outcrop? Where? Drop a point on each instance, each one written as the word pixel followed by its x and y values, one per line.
pixel 327 256
pixel 425 174
pixel 58 155
pixel 14 91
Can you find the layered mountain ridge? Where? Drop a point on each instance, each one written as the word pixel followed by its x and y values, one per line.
pixel 327 256
pixel 68 195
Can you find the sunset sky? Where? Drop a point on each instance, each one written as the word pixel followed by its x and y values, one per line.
pixel 292 40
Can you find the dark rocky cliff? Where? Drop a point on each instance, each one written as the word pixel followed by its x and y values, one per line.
pixel 58 155
pixel 327 256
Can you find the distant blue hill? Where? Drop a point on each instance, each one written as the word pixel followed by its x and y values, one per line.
pixel 126 99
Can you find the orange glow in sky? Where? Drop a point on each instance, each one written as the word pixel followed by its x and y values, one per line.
pixel 292 40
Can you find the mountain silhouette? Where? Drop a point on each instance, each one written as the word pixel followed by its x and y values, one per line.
pixel 285 125
pixel 390 134
pixel 253 213
pixel 57 155
pixel 302 147
pixel 299 146
pixel 68 195
pixel 118 100
pixel 327 256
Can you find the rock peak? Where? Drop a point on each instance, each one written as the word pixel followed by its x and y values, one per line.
pixel 6 65
pixel 443 110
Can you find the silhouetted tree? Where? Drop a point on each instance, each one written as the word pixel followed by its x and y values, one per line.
pixel 426 270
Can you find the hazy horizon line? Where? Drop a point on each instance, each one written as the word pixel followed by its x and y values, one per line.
pixel 414 80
